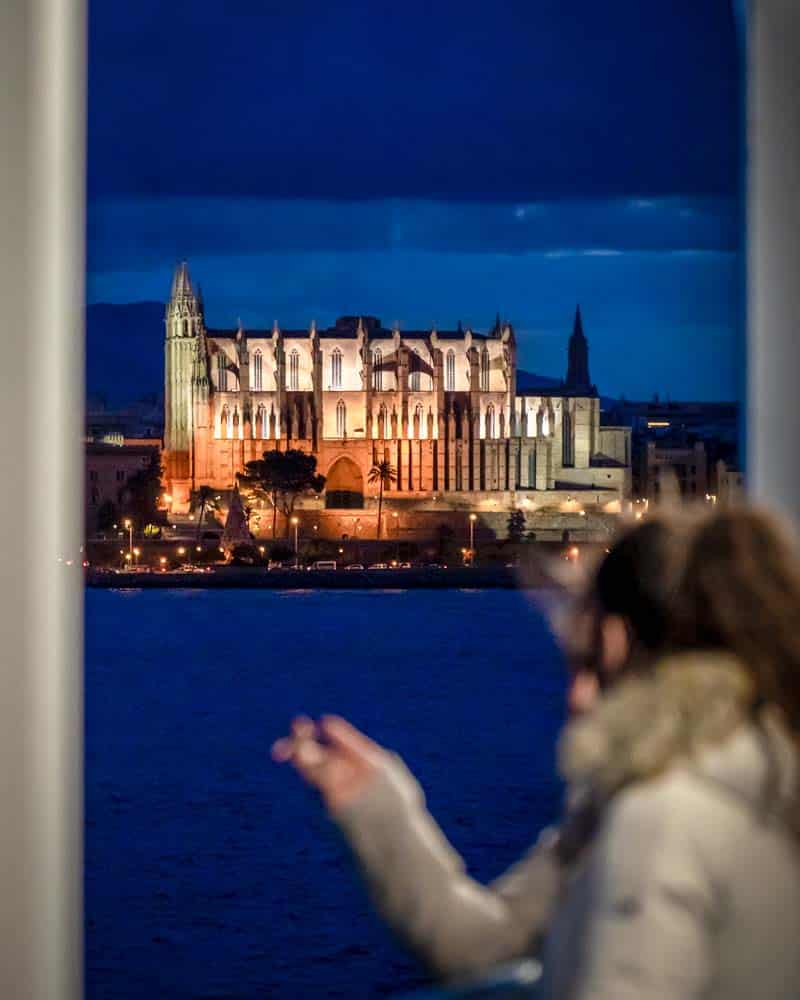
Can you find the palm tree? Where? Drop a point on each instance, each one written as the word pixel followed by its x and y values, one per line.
pixel 385 474
pixel 208 501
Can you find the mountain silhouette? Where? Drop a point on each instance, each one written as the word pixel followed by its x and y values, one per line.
pixel 124 350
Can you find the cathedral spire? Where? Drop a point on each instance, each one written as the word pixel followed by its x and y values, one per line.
pixel 182 283
pixel 578 379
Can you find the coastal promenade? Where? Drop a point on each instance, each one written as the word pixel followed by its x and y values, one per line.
pixel 421 578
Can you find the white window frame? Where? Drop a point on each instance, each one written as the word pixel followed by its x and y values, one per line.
pixel 341 419
pixel 336 368
pixel 450 371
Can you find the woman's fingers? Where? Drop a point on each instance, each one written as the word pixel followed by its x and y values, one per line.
pixel 344 736
pixel 283 749
pixel 303 727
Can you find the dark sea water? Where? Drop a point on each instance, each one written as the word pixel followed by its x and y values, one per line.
pixel 212 872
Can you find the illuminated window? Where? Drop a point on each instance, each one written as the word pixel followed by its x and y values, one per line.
pixel 258 384
pixel 294 370
pixel 222 372
pixel 567 443
pixel 341 419
pixel 415 363
pixel 336 369
pixel 450 371
pixel 490 429
pixel 377 373
pixel 419 426
pixel 485 369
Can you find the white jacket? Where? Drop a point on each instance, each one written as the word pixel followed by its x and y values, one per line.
pixel 677 872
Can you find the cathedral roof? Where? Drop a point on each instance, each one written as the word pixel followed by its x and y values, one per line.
pixel 343 332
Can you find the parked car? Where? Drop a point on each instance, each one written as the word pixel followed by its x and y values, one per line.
pixel 323 564
pixel 437 566
pixel 379 566
pixel 354 566
pixel 405 565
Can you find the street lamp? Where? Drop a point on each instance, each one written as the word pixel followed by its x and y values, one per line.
pixel 129 525
pixel 137 553
pixel 472 519
pixel 296 523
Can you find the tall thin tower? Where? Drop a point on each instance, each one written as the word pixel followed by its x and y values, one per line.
pixel 184 325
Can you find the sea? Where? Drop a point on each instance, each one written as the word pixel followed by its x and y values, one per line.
pixel 212 872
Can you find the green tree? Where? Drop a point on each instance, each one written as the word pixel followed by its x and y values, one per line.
pixel 207 500
pixel 107 515
pixel 516 526
pixel 444 541
pixel 139 497
pixel 281 477
pixel 385 474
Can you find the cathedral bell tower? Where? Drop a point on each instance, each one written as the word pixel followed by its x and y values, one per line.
pixel 182 347
pixel 578 381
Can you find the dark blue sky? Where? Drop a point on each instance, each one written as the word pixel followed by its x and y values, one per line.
pixel 430 162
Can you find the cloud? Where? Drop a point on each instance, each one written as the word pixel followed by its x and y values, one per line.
pixel 133 234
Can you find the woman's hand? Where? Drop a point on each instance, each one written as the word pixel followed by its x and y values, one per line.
pixel 333 756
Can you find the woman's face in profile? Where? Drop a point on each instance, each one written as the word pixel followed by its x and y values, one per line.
pixel 597 648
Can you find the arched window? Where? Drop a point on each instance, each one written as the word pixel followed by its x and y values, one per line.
pixel 532 469
pixel 258 383
pixel 382 421
pixel 485 369
pixel 222 372
pixel 294 369
pixel 341 419
pixel 261 414
pixel 377 372
pixel 490 428
pixel 186 328
pixel 419 426
pixel 546 423
pixel 450 371
pixel 415 365
pixel 336 369
pixel 224 417
pixel 567 444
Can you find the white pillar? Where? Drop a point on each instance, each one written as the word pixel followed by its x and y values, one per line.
pixel 42 177
pixel 773 419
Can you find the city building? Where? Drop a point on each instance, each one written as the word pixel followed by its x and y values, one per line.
pixel 442 406
pixel 728 485
pixel 665 434
pixel 109 463
pixel 669 466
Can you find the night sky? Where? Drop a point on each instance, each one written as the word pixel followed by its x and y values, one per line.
pixel 432 162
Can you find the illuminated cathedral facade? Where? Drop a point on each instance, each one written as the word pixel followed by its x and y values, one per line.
pixel 443 407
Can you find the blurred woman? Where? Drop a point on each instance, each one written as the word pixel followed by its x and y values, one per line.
pixel 676 871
